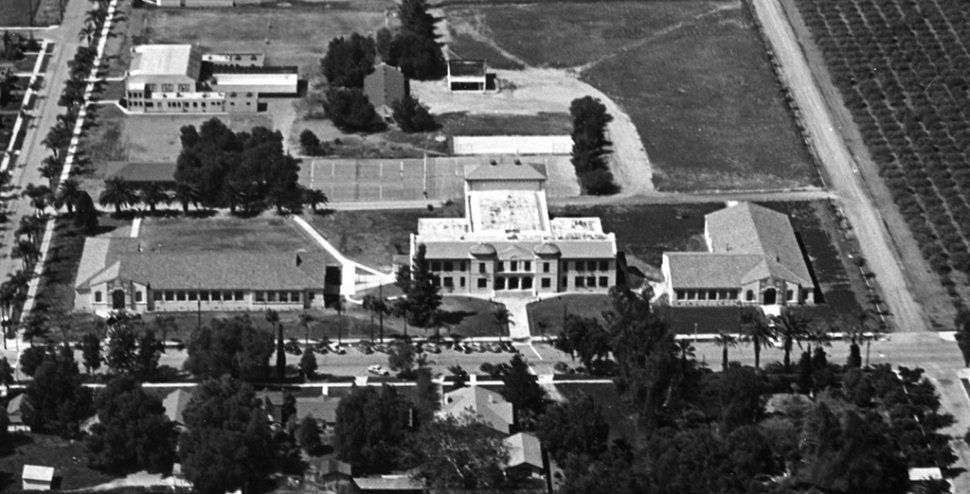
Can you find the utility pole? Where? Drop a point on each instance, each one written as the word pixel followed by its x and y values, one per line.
pixel 380 291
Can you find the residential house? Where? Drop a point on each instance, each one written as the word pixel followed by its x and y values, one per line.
pixel 321 408
pixel 174 404
pixel 37 478
pixel 467 75
pixel 753 258
pixel 384 86
pixel 115 274
pixel 487 405
pixel 332 475
pixel 15 415
pixel 525 457
pixel 506 243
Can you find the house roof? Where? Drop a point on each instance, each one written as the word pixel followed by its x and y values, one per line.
pixel 389 483
pixel 466 68
pixel 495 171
pixel 384 85
pixel 14 412
pixel 175 403
pixel 707 270
pixel 38 473
pixel 747 228
pixel 322 408
pixel 489 405
pixel 334 467
pixel 217 270
pixel 144 172
pixel 524 449
pixel 166 60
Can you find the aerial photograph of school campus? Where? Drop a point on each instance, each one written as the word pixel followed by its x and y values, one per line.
pixel 484 246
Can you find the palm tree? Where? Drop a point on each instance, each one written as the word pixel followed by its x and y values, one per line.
pixel 30 227
pixel 338 305
pixel 39 196
pixel 306 319
pixel 791 326
pixel 58 138
pixel 118 193
pixel 502 317
pixel 686 350
pixel 185 194
pixel 87 34
pixel 273 318
pixel 27 252
pixel 757 330
pixel 50 168
pixel 725 341
pixel 153 194
pixel 68 193
pixel 314 198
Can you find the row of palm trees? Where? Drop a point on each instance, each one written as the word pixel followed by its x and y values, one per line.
pixel 792 327
pixel 120 194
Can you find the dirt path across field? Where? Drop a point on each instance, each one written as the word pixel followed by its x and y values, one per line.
pixel 533 90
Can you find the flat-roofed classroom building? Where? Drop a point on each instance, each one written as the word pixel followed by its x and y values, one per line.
pixel 506 243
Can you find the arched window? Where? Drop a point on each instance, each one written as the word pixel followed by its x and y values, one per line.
pixel 749 296
pixel 97 296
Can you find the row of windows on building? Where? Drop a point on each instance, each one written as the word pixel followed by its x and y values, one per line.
pixel 215 296
pixel 525 283
pixel 513 266
pixel 168 88
pixel 722 295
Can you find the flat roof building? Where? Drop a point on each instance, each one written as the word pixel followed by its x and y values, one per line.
pixel 467 75
pixel 507 242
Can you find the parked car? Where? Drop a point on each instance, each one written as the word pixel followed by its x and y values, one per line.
pixel 430 348
pixel 458 347
pixel 474 347
pixel 321 348
pixel 335 348
pixel 380 347
pixel 378 370
pixel 493 347
pixel 365 347
pixel 292 348
pixel 508 346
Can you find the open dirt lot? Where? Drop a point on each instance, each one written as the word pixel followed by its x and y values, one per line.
pixel 223 233
pixel 691 78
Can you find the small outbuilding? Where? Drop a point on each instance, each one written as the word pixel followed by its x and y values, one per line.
pixel 384 86
pixel 525 456
pixel 15 415
pixel 467 75
pixel 37 478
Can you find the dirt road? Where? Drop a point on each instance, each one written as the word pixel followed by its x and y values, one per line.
pixel 841 168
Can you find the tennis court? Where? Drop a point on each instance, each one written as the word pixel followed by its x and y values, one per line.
pixel 435 178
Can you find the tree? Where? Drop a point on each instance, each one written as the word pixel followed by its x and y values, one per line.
pixel 308 364
pixel 230 346
pixel 400 358
pixel 375 306
pixel 725 341
pixel 453 453
pixel 755 328
pixel 31 359
pixel 962 324
pixel 314 198
pixel 741 395
pixel 186 194
pixel 421 290
pixel 122 357
pixel 371 429
pixel 584 337
pixel 350 110
pixel 68 193
pixel 310 143
pixel 146 360
pixel 56 401
pixel 118 193
pixel 416 49
pixel 412 115
pixel 273 318
pixel 288 409
pixel 34 326
pixel 590 146
pixel 791 326
pixel 87 215
pixel 520 386
pixel 91 352
pixel 427 397
pixel 308 435
pixel 153 194
pixel 574 427
pixel 133 432
pixel 6 373
pixel 348 60
pixel 228 443
pixel 383 44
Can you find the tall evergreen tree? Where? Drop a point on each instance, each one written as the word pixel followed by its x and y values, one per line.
pixel 421 290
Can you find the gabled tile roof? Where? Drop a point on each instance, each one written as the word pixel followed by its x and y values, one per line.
pixel 524 449
pixel 466 68
pixel 488 405
pixel 707 270
pixel 747 228
pixel 175 404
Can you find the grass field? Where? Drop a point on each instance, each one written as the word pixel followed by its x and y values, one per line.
pixel 498 124
pixel 223 233
pixel 693 76
pixel 16 13
pixel 51 451
pixel 373 238
pixel 546 316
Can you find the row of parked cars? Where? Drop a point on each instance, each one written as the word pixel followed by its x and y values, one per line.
pixel 369 347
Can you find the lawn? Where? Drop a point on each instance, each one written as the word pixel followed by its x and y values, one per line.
pixel 223 233
pixel 545 123
pixel 546 316
pixel 622 424
pixel 373 238
pixel 693 76
pixel 68 458
pixel 466 47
